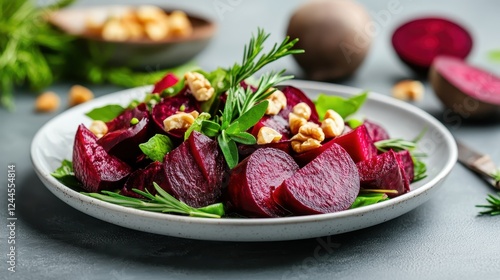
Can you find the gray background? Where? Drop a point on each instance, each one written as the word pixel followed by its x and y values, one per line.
pixel 442 239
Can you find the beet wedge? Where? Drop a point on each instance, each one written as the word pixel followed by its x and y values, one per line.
pixel 293 97
pixel 143 179
pixel 94 167
pixel 187 181
pixel 328 184
pixel 170 105
pixel 253 180
pixel 376 131
pixel 167 81
pixel 123 120
pixel 384 171
pixel 406 161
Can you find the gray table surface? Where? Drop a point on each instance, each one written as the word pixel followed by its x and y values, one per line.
pixel 442 239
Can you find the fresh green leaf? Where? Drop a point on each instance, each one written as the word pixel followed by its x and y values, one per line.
pixel 252 116
pixel 106 113
pixel 396 144
pixel 364 199
pixel 243 138
pixel 229 149
pixel 197 124
pixel 496 175
pixel 210 128
pixel 354 123
pixel 66 175
pixel 493 208
pixel 420 169
pixel 157 147
pixel 343 106
pixel 494 55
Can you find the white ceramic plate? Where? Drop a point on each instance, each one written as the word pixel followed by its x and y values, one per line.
pixel 54 142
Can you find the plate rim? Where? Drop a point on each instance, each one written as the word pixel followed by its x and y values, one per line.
pixel 312 85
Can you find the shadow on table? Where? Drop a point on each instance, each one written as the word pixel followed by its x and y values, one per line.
pixel 54 221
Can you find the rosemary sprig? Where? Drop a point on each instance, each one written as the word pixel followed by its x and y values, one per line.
pixel 161 202
pixel 396 144
pixel 493 208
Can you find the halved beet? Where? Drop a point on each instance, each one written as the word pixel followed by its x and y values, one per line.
pixel 328 184
pixel 94 167
pixel 253 180
pixel 143 179
pixel 167 81
pixel 171 105
pixel 357 143
pixel 124 143
pixel 419 41
pixel 277 122
pixel 123 120
pixel 246 150
pixel 208 156
pixel 293 97
pixel 376 131
pixel 406 161
pixel 187 181
pixel 384 171
pixel 466 90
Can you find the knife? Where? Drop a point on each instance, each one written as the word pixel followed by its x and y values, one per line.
pixel 477 162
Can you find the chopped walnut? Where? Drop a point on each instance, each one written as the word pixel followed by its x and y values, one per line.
pixel 150 13
pixel 312 130
pixel 309 144
pixel 180 120
pixel 268 135
pixel 333 124
pixel 408 90
pixel 79 94
pixel 180 24
pixel 114 30
pixel 99 128
pixel 302 110
pixel 157 30
pixel 47 102
pixel 200 87
pixel 295 122
pixel 309 137
pixel 277 102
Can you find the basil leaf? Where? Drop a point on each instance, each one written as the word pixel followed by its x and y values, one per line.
pixel 229 149
pixel 354 123
pixel 197 124
pixel 368 199
pixel 106 113
pixel 65 174
pixel 210 128
pixel 343 106
pixel 157 147
pixel 252 116
pixel 243 138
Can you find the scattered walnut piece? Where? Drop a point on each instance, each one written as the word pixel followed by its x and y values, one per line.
pixel 309 137
pixel 200 87
pixel 180 24
pixel 333 124
pixel 277 102
pixel 180 120
pixel 302 110
pixel 79 94
pixel 268 135
pixel 99 128
pixel 295 122
pixel 47 102
pixel 408 90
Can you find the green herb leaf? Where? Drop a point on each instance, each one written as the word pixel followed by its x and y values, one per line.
pixel 364 199
pixel 229 149
pixel 354 123
pixel 344 107
pixel 493 208
pixel 420 169
pixel 396 144
pixel 66 175
pixel 197 124
pixel 243 138
pixel 494 55
pixel 157 147
pixel 210 128
pixel 106 113
pixel 252 116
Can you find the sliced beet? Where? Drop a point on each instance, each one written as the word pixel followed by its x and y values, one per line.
pixel 246 150
pixel 94 167
pixel 208 156
pixel 253 180
pixel 466 90
pixel 384 172
pixel 328 184
pixel 406 161
pixel 123 120
pixel 124 143
pixel 167 81
pixel 376 131
pixel 171 105
pixel 357 143
pixel 419 41
pixel 187 181
pixel 277 123
pixel 142 179
pixel 293 97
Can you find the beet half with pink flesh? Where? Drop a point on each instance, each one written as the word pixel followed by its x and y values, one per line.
pixel 253 180
pixel 142 179
pixel 384 171
pixel 376 131
pixel 186 173
pixel 328 184
pixel 419 41
pixel 466 90
pixel 94 167
pixel 123 120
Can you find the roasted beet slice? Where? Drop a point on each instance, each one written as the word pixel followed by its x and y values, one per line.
pixel 356 142
pixel 124 143
pixel 328 184
pixel 168 81
pixel 293 97
pixel 384 172
pixel 94 167
pixel 171 105
pixel 187 181
pixel 123 120
pixel 419 41
pixel 376 131
pixel 208 156
pixel 406 161
pixel 143 179
pixel 246 150
pixel 277 123
pixel 253 180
